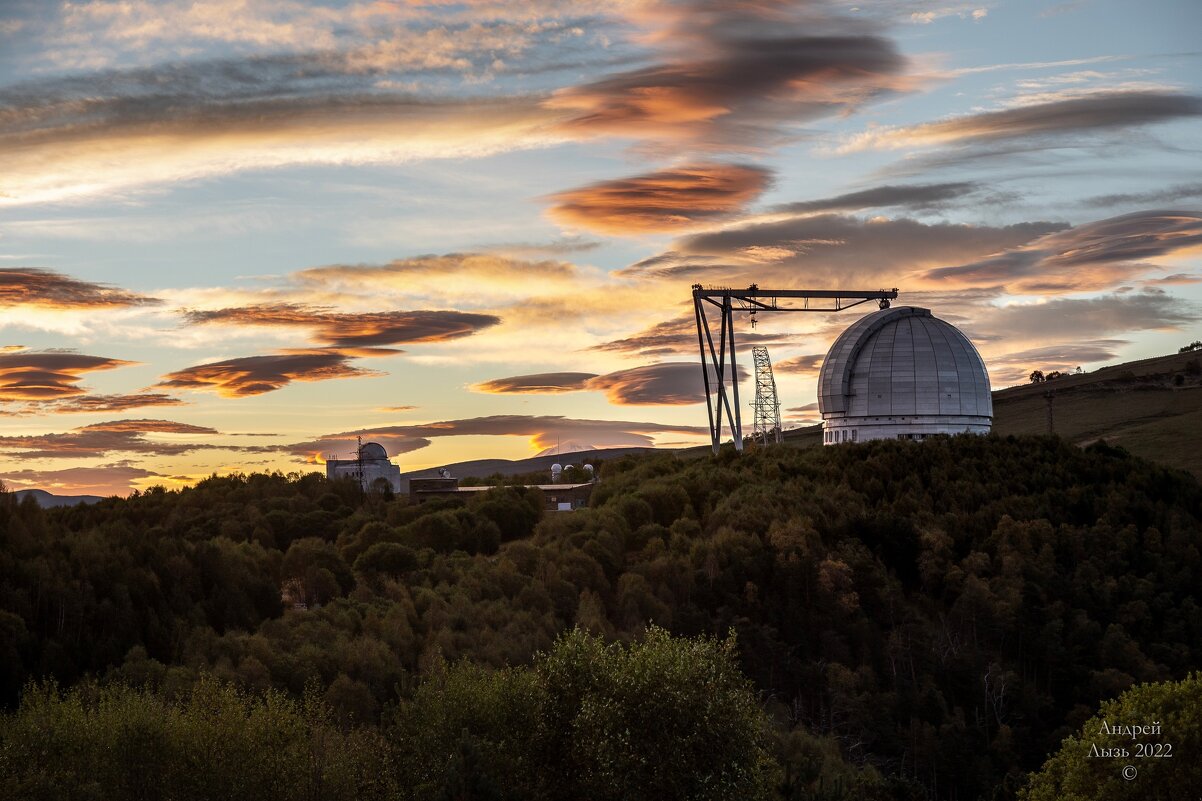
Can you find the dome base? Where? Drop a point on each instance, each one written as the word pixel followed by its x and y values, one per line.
pixel 838 429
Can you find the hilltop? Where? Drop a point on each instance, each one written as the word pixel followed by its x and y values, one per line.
pixel 918 619
pixel 48 500
pixel 1151 407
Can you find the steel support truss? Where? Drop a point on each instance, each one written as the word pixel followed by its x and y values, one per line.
pixel 718 364
pixel 765 425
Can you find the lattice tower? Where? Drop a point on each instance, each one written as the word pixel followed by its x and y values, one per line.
pixel 766 425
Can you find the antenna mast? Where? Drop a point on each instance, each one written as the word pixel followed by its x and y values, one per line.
pixel 359 457
pixel 766 422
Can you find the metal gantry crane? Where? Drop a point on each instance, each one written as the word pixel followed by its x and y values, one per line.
pixel 721 358
pixel 766 421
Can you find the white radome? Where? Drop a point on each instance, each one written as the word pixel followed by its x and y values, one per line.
pixel 902 373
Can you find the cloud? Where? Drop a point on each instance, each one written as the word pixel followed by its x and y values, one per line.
pixel 731 76
pixel 829 250
pixel 537 383
pixel 64 139
pixel 1063 356
pixel 361 330
pixel 666 200
pixel 1096 112
pixel 543 430
pixel 678 335
pixel 103 480
pixel 29 286
pixel 667 383
pixel 148 426
pixel 1167 195
pixel 1074 319
pixel 807 365
pixel 48 375
pixel 914 196
pixel 114 403
pixel 1090 256
pixel 663 384
pixel 255 375
pixel 456 277
pixel 99 439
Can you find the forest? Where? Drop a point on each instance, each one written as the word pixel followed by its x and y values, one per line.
pixel 904 620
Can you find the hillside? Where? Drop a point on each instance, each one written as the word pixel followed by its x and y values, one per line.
pixel 481 468
pixel 1138 405
pixel 48 500
pixel 918 619
pixel 1151 407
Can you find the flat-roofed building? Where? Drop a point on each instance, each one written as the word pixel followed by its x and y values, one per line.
pixel 373 470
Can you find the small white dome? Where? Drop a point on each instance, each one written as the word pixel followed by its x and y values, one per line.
pixel 373 452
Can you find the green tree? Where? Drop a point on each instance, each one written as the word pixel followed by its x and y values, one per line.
pixel 1077 773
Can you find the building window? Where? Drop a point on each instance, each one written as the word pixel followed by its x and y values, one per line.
pixel 854 431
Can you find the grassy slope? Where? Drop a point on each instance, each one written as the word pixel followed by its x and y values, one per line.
pixel 1135 405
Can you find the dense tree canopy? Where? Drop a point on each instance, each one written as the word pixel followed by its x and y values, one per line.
pixel 927 619
pixel 1142 745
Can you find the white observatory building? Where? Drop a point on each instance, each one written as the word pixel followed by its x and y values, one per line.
pixel 371 467
pixel 902 373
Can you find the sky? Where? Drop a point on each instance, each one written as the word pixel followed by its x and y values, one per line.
pixel 234 235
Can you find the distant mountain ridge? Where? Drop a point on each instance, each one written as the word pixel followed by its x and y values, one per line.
pixel 479 468
pixel 48 500
pixel 1152 407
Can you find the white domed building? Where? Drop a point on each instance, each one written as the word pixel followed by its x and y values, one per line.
pixel 902 373
pixel 373 469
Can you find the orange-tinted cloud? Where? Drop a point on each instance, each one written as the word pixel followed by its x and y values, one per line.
pixel 536 384
pixel 1090 256
pixel 730 75
pixel 47 375
pixel 148 426
pixel 543 430
pixel 830 250
pixel 362 330
pixel 254 375
pixel 103 480
pixel 678 335
pixel 99 439
pixel 63 142
pixel 666 200
pixel 29 286
pixel 451 278
pixel 114 403
pixel 663 384
pixel 1015 368
pixel 807 365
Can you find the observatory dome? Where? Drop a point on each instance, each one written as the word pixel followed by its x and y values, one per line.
pixel 373 451
pixel 902 373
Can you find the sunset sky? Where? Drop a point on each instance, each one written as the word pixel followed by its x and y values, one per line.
pixel 234 234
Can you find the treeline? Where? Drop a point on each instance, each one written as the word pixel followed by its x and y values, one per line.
pixel 587 720
pixel 930 618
